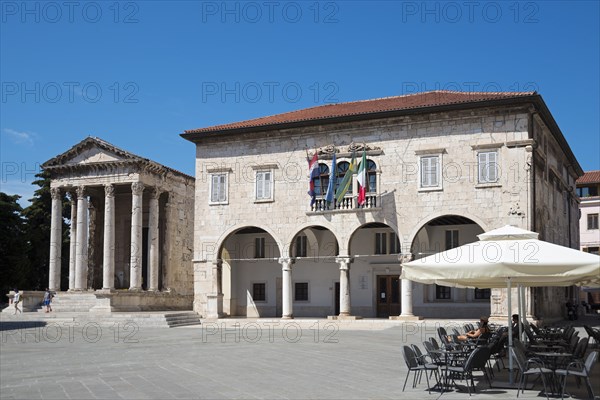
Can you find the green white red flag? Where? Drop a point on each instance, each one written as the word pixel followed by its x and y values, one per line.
pixel 362 180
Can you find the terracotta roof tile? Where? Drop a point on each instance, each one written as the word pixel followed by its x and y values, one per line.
pixel 589 177
pixel 365 107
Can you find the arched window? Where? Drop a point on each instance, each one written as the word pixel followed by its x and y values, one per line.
pixel 371 177
pixel 341 168
pixel 322 181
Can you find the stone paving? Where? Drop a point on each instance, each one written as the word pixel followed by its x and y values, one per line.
pixel 256 360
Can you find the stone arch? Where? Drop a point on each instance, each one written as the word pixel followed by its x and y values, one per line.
pixel 438 234
pixel 428 219
pixel 248 258
pixel 311 231
pixel 236 228
pixel 375 225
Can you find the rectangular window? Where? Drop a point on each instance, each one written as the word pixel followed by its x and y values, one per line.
pixel 259 247
pixel 394 244
pixel 482 294
pixel 301 291
pixel 593 250
pixel 259 291
pixel 218 188
pixel 592 221
pixel 380 243
pixel 430 171
pixel 264 185
pixel 301 246
pixel 587 191
pixel 442 292
pixel 451 239
pixel 488 166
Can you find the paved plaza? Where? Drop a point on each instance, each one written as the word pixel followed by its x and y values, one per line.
pixel 264 359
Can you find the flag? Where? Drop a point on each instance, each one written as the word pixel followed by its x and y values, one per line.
pixel 313 172
pixel 362 180
pixel 330 189
pixel 346 181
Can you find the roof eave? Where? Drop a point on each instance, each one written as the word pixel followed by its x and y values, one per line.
pixel 195 137
pixel 535 98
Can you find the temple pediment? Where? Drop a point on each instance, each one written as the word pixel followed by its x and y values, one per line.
pixel 92 150
pixel 95 154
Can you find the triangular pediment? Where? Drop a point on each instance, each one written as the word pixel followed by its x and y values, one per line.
pixel 93 155
pixel 92 150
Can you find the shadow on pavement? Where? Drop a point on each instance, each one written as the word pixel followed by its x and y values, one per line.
pixel 14 325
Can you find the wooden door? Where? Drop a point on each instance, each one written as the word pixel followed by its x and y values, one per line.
pixel 388 295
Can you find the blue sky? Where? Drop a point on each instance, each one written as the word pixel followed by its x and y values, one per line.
pixel 137 74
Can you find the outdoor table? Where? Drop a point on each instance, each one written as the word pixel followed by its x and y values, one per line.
pixel 553 358
pixel 450 356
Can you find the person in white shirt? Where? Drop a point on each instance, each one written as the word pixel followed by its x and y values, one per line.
pixel 17 300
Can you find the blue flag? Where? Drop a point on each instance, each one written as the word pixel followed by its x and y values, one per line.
pixel 331 187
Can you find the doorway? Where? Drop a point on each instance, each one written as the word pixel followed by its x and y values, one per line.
pixel 388 295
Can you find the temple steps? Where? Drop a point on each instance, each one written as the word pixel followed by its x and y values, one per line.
pixel 151 319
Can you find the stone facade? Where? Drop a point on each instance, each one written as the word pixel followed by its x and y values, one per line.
pixel 131 227
pixel 343 264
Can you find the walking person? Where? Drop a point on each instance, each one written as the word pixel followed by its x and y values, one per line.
pixel 16 300
pixel 48 300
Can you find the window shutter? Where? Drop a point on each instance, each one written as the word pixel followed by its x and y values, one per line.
pixel 222 188
pixel 259 185
pixel 423 171
pixel 482 167
pixel 492 167
pixel 267 187
pixel 214 188
pixel 434 165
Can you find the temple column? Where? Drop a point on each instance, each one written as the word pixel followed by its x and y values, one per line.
pixel 344 285
pixel 55 240
pixel 81 260
pixel 108 254
pixel 286 289
pixel 73 240
pixel 135 266
pixel 153 240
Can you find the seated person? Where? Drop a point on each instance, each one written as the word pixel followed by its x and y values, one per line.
pixel 483 329
pixel 515 327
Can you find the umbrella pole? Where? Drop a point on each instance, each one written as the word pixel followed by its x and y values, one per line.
pixel 522 312
pixel 510 341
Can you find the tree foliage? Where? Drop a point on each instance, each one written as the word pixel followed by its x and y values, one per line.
pixel 25 240
pixel 14 245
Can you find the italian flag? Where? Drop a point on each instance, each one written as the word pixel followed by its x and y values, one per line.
pixel 362 180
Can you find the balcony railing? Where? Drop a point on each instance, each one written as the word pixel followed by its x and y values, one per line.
pixel 348 203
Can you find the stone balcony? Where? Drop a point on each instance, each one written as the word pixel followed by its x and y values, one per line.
pixel 348 204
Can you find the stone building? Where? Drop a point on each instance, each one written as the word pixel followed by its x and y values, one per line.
pixel 440 168
pixel 588 191
pixel 131 229
pixel 588 188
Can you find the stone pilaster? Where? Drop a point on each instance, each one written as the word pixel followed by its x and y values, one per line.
pixel 135 270
pixel 153 240
pixel 81 259
pixel 214 301
pixel 73 240
pixel 55 240
pixel 108 253
pixel 286 289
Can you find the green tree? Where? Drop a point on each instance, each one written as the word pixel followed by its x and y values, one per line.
pixel 14 247
pixel 38 219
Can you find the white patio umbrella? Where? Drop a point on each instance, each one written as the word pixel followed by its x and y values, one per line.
pixel 503 257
